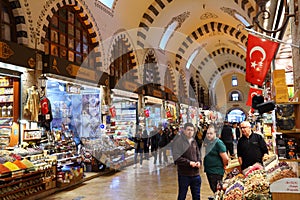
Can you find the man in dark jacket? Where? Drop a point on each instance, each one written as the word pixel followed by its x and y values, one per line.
pixel 227 138
pixel 251 147
pixel 154 138
pixel 163 140
pixel 187 157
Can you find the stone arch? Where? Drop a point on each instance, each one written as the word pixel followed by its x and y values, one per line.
pixel 50 7
pixel 170 71
pixel 130 49
pixel 19 18
pixel 155 77
pixel 220 51
pixel 221 69
pixel 159 5
pixel 203 31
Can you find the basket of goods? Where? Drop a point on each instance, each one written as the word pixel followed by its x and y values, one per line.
pixel 234 191
pixel 256 185
pixel 280 171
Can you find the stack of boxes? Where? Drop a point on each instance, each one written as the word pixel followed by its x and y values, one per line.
pixel 279 88
pixel 286 147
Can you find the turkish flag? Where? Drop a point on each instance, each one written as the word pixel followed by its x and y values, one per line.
pixel 251 94
pixel 113 111
pixel 260 53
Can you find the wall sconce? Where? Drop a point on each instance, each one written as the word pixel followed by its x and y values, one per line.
pixel 266 15
pixel 43 81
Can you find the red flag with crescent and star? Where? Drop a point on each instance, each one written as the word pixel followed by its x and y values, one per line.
pixel 251 94
pixel 260 53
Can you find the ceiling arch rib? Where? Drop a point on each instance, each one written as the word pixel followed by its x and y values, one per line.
pixel 223 69
pixel 220 51
pixel 204 31
pixel 155 9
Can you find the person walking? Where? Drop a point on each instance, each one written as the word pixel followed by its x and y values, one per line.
pixel 154 138
pixel 187 158
pixel 251 147
pixel 227 138
pixel 216 158
pixel 146 143
pixel 138 147
pixel 199 137
pixel 236 132
pixel 162 146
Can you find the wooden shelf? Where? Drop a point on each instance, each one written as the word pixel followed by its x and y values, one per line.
pixel 289 160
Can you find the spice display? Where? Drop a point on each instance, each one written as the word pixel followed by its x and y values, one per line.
pixel 20 164
pixel 27 163
pixel 3 169
pixel 11 166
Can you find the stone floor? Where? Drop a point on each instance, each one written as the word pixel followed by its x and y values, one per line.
pixel 148 182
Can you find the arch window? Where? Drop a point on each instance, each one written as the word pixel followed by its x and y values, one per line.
pixel 235 96
pixel 234 81
pixel 6 22
pixel 121 63
pixel 67 37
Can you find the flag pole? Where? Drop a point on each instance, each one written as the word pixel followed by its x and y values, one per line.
pixel 271 38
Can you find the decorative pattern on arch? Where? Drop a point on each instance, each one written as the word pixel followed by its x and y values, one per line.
pixel 19 18
pixel 151 72
pixel 219 52
pixel 148 18
pixel 182 85
pixel 172 84
pixel 51 7
pixel 226 67
pixel 158 5
pixel 193 88
pixel 130 50
pixel 204 30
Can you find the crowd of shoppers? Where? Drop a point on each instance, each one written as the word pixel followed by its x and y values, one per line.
pixel 186 144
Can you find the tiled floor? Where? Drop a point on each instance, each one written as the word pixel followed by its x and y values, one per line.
pixel 149 182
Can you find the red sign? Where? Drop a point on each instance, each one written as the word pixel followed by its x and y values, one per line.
pixel 112 111
pixel 251 94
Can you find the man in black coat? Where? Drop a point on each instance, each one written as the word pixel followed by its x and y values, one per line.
pixel 227 138
pixel 154 138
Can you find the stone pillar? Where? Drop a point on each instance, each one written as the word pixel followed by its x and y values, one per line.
pixel 295 30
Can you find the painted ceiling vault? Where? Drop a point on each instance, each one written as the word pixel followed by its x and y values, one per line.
pixel 211 26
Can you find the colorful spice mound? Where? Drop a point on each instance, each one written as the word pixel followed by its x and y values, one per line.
pixel 20 164
pixel 27 163
pixel 11 166
pixel 3 169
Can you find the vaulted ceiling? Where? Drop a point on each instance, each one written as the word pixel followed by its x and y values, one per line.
pixel 212 26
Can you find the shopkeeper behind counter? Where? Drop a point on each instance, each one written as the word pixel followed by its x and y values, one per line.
pixel 251 147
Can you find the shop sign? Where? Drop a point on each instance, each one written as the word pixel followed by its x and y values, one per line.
pixel 5 51
pixel 62 67
pixel 80 72
pixel 157 93
pixel 73 89
pixel 18 55
pixel 172 97
pixel 127 85
pixel 125 93
pixel 286 185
